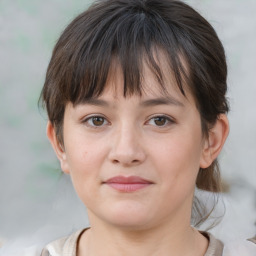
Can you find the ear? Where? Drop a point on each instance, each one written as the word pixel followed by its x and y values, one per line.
pixel 58 147
pixel 215 141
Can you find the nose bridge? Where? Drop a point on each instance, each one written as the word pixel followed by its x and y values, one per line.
pixel 127 147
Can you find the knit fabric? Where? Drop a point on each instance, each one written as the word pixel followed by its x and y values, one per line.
pixel 67 246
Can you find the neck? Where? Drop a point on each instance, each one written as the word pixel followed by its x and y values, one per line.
pixel 166 239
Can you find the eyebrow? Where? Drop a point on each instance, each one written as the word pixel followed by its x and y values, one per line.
pixel 161 101
pixel 146 103
pixel 96 102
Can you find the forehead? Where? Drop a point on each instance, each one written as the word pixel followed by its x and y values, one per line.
pixel 151 73
pixel 151 86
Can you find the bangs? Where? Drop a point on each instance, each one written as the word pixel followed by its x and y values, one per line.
pixel 133 34
pixel 132 38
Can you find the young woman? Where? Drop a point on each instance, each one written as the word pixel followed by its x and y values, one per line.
pixel 135 94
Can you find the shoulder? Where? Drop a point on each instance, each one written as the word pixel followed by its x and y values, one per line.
pixel 215 247
pixel 240 247
pixel 232 248
pixel 65 246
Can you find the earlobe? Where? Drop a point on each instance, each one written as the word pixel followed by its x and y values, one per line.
pixel 215 141
pixel 57 146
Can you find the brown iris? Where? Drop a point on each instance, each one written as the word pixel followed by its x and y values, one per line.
pixel 160 120
pixel 98 121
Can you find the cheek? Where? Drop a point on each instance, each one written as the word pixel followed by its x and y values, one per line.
pixel 84 163
pixel 83 153
pixel 179 160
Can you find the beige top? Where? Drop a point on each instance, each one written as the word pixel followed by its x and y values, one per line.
pixel 67 246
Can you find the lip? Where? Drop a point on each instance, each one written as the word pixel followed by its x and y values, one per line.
pixel 127 184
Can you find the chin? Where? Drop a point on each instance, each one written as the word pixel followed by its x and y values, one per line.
pixel 133 225
pixel 129 218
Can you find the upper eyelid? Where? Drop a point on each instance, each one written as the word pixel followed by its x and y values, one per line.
pixel 162 115
pixel 87 117
pixel 168 117
pixel 169 120
pixel 86 120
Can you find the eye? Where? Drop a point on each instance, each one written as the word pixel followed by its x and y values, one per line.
pixel 95 121
pixel 160 121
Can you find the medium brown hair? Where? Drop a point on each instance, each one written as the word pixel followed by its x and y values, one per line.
pixel 131 31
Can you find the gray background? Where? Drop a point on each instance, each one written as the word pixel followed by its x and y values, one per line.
pixel 37 202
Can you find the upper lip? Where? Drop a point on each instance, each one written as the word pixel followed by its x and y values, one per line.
pixel 128 180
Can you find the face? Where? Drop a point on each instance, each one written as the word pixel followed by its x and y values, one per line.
pixel 134 161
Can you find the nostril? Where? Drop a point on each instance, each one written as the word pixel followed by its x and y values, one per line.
pixel 125 161
pixel 126 153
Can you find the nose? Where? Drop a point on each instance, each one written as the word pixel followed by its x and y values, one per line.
pixel 127 147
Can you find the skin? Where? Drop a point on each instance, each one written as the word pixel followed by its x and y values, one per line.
pixel 155 136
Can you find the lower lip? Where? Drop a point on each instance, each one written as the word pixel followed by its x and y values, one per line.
pixel 130 187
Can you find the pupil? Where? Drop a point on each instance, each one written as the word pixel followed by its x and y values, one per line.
pixel 97 121
pixel 160 121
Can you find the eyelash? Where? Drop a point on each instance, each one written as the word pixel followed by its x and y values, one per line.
pixel 167 121
pixel 88 119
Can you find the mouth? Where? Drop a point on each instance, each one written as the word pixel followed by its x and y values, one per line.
pixel 127 184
